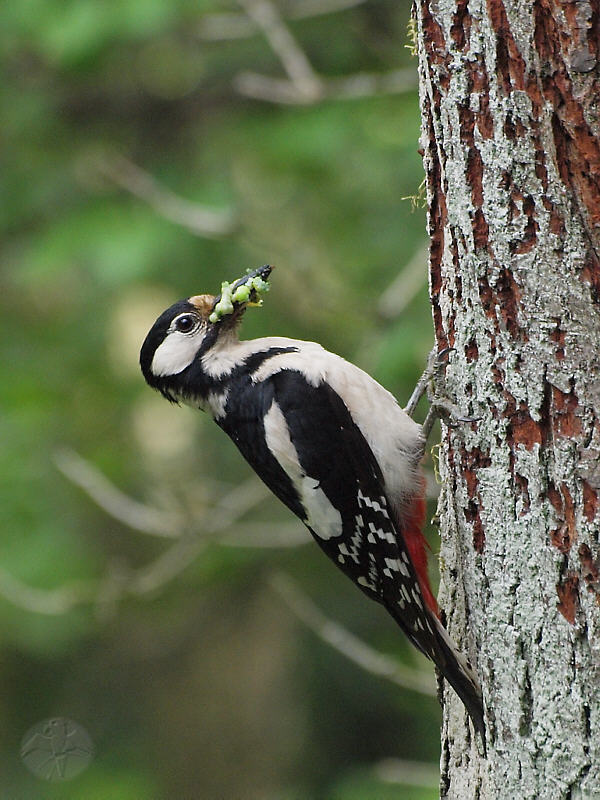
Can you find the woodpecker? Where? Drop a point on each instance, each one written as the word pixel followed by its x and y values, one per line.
pixel 328 440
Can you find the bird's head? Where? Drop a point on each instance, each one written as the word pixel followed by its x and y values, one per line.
pixel 190 328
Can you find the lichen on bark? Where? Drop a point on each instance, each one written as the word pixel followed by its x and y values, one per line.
pixel 510 93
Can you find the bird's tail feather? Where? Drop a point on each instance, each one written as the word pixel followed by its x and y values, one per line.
pixel 435 643
pixel 459 673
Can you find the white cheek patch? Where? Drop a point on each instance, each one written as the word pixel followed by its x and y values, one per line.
pixel 175 354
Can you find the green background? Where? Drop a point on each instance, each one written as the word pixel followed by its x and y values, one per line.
pixel 202 683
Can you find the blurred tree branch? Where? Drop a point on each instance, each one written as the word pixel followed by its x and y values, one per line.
pixel 219 27
pixel 44 601
pixel 403 290
pixel 303 78
pixel 136 515
pixel 411 773
pixel 304 85
pixel 198 219
pixel 362 84
pixel 347 643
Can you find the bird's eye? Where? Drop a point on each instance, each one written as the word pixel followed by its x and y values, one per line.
pixel 185 323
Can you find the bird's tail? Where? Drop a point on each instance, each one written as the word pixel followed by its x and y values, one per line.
pixel 459 673
pixel 435 643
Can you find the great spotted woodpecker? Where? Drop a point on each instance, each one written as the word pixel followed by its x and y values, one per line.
pixel 328 440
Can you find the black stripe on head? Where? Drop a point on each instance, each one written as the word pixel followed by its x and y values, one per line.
pixel 156 337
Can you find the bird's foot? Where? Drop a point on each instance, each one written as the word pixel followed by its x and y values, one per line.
pixel 432 374
pixel 440 407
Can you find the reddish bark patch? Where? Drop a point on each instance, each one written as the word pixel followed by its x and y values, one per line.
pixel 474 176
pixel 544 27
pixel 509 297
pixel 565 43
pixel 480 230
pixel 461 24
pixel 590 276
pixel 513 127
pixel 529 236
pixel 590 502
pixel 557 223
pixel 485 120
pixel 433 38
pixel 590 569
pixel 503 298
pixel 565 535
pixel 487 297
pixel 509 61
pixel 510 131
pixel 554 497
pixel 472 517
pixel 561 538
pixel 480 87
pixel 471 351
pixel 576 149
pixel 523 429
pixel 565 421
pixel 568 509
pixel 471 462
pixel 568 597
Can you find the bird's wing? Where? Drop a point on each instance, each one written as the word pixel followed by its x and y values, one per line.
pixel 244 422
pixel 313 456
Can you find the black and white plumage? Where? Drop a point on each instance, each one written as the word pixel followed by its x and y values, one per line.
pixel 331 443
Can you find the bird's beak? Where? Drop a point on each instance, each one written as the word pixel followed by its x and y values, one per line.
pixel 235 297
pixel 262 273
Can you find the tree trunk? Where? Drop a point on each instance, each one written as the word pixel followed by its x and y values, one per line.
pixel 510 102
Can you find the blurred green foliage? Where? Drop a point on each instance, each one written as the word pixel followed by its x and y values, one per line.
pixel 203 685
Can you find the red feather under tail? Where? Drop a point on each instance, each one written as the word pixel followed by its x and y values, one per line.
pixel 413 522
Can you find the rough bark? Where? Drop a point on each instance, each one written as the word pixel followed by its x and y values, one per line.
pixel 510 102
